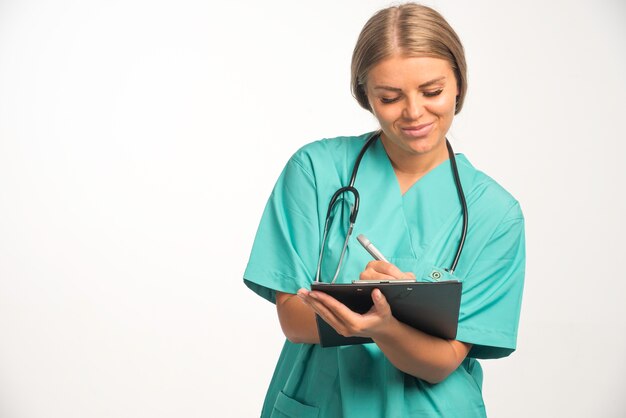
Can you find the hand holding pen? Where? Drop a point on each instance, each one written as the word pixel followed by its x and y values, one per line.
pixel 381 269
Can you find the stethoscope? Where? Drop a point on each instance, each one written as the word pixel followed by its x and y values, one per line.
pixel 354 211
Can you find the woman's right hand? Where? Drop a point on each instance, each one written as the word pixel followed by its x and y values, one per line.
pixel 382 270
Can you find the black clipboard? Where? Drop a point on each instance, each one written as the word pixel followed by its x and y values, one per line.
pixel 431 307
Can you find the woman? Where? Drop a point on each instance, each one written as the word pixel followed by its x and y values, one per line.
pixel 408 69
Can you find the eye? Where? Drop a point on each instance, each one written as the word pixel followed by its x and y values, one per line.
pixel 385 100
pixel 433 93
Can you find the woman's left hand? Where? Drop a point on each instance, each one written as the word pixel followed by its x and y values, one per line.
pixel 344 320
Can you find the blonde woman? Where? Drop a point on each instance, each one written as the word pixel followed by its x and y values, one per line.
pixel 409 71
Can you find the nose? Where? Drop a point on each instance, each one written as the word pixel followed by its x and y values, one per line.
pixel 414 108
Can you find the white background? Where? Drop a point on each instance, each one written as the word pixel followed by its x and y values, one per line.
pixel 139 141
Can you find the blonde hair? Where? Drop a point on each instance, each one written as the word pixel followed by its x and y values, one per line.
pixel 410 30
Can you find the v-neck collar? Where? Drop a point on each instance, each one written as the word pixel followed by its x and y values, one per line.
pixel 382 156
pixel 423 211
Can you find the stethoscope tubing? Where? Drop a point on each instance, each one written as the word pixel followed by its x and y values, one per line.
pixel 459 189
pixel 355 209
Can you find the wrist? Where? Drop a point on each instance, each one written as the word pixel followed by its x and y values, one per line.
pixel 385 330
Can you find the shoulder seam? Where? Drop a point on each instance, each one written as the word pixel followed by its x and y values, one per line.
pixel 505 219
pixel 303 168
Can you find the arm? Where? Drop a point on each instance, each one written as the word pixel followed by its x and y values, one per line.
pixel 420 354
pixel 410 350
pixel 297 319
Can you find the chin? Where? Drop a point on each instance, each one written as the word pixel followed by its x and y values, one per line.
pixel 421 146
pixel 416 146
pixel 421 150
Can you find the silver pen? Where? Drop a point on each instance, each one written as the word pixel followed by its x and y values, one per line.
pixel 370 248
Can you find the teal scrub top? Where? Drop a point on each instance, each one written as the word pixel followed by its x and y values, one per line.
pixel 419 232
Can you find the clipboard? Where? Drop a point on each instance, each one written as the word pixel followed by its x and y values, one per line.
pixel 431 307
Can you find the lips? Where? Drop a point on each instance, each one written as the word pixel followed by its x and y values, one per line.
pixel 418 130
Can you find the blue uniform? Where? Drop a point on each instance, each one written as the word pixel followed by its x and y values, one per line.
pixel 418 232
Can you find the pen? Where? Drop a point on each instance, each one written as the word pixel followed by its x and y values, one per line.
pixel 370 248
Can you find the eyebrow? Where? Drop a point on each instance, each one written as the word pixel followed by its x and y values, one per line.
pixel 421 86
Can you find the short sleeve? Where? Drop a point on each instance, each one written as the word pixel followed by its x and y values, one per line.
pixel 492 291
pixel 284 253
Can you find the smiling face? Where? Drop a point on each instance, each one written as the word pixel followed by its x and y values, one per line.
pixel 414 100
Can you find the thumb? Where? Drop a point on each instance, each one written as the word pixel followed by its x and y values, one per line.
pixel 380 302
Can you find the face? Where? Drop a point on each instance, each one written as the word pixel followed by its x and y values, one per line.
pixel 414 99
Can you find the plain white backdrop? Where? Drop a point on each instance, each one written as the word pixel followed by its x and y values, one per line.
pixel 139 141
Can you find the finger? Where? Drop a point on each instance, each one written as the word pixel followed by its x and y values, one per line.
pixel 380 302
pixel 339 309
pixel 393 270
pixel 379 265
pixel 345 316
pixel 381 270
pixel 328 315
pixel 374 275
pixel 385 268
